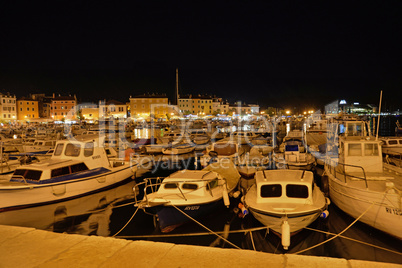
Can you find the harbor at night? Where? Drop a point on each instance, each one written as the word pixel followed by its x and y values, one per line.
pixel 178 134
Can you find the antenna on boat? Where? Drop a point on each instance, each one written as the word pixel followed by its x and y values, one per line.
pixel 379 113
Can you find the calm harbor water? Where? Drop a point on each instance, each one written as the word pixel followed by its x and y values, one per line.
pixel 110 213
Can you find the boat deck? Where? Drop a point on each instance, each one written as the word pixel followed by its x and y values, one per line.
pixel 376 181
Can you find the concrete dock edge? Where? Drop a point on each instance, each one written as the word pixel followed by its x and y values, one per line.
pixel 28 247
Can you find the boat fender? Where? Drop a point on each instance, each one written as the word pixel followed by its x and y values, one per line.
pixel 236 194
pixel 328 201
pixel 225 196
pixel 243 209
pixel 285 235
pixel 324 214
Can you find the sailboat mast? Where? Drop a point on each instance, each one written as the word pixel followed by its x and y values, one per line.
pixel 177 86
pixel 379 113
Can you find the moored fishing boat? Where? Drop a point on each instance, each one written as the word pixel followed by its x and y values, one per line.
pixel 285 201
pixel 361 187
pixel 76 168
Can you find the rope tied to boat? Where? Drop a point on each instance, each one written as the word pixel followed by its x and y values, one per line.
pixel 209 230
pixel 350 225
pixel 354 240
pixel 127 222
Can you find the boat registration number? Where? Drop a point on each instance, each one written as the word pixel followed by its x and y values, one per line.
pixel 192 208
pixel 395 211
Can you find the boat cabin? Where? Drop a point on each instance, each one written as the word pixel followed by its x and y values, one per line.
pixel 285 187
pixel 365 153
pixel 196 182
pixel 69 158
pixel 353 128
pixel 292 153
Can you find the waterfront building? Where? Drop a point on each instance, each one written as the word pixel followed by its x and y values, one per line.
pixel 240 108
pixel 8 107
pixel 88 112
pixel 63 107
pixel 27 109
pixel 44 103
pixel 149 105
pixel 219 106
pixel 254 108
pixel 343 106
pixel 196 105
pixel 112 109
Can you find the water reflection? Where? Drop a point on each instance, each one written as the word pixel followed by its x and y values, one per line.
pixel 357 241
pixel 89 215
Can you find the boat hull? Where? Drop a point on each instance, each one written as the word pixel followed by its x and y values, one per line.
pixel 20 195
pixel 296 222
pixel 380 210
pixel 170 217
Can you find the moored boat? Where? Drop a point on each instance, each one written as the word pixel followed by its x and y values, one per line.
pixel 189 194
pixel 285 201
pixel 182 148
pixel 361 187
pixel 76 168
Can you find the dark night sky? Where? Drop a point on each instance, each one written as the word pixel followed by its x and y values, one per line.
pixel 274 53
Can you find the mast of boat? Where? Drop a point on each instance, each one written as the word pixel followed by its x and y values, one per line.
pixel 177 86
pixel 379 113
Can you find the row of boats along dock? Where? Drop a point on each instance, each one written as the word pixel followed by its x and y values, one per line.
pixel 284 173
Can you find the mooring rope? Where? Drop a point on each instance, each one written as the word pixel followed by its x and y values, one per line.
pixel 224 239
pixel 355 240
pixel 126 223
pixel 350 225
pixel 193 234
pixel 252 240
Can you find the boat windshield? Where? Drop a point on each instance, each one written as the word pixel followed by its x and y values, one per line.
pixel 271 190
pixel 296 191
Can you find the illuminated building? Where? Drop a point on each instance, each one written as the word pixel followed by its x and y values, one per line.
pixel 27 109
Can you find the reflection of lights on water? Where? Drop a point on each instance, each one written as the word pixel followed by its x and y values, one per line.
pixel 287 128
pixel 144 133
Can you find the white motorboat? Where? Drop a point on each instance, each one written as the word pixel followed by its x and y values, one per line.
pixel 294 158
pixel 189 193
pixel 292 138
pixel 75 169
pixel 39 146
pixel 361 187
pixel 285 201
pixel 182 148
pixel 392 145
pixel 173 137
pixel 221 151
pixel 199 137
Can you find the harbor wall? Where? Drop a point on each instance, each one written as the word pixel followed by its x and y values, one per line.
pixel 28 247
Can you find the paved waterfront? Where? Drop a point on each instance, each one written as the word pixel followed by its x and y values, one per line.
pixel 28 247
